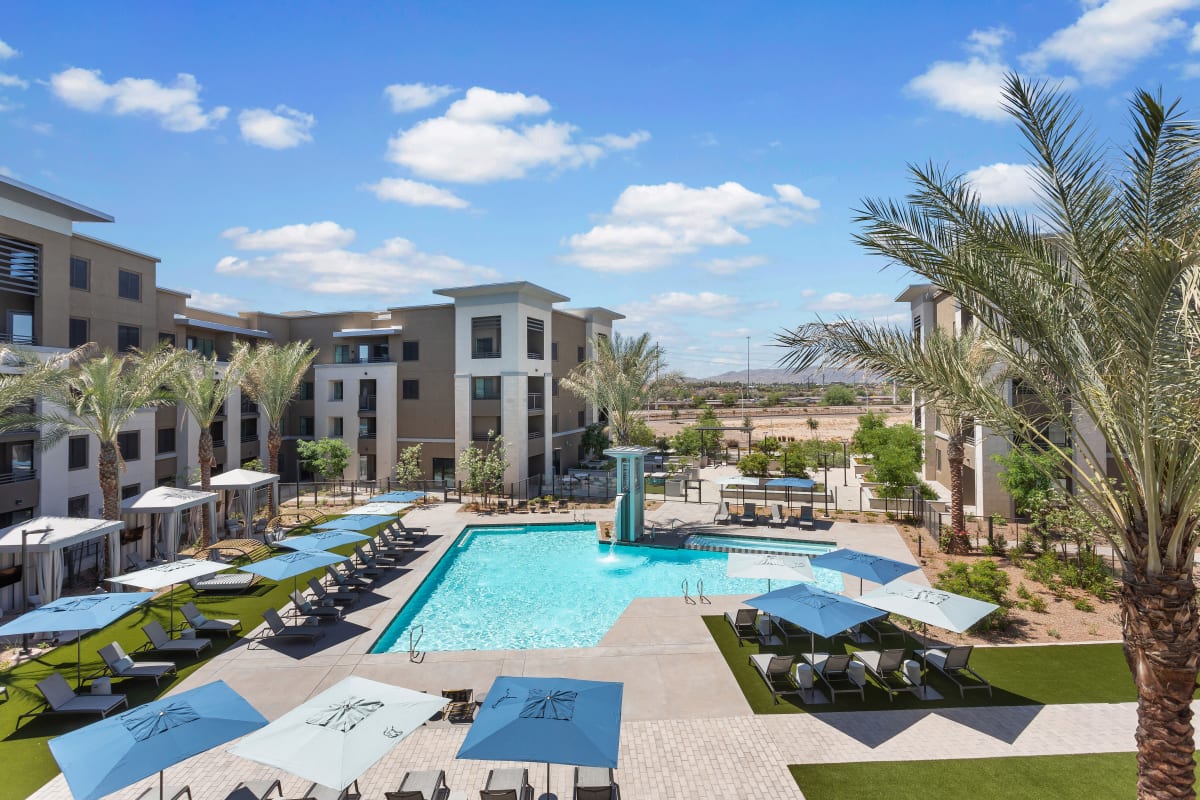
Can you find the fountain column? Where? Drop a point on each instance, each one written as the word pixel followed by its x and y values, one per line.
pixel 631 491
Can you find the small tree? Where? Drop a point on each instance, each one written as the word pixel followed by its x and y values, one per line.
pixel 484 467
pixel 595 440
pixel 729 399
pixel 813 423
pixel 408 466
pixel 769 445
pixel 327 458
pixel 839 395
pixel 793 462
pixel 1027 475
pixel 641 434
pixel 754 464
pixel 870 431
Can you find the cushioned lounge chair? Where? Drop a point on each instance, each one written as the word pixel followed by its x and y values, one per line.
pixel 160 642
pixel 722 515
pixel 461 707
pixel 428 784
pixel 316 791
pixel 345 581
pixel 278 629
pixel 777 520
pixel 835 672
pixel 777 672
pixel 953 663
pixel 744 624
pixel 887 668
pixel 507 784
pixel 305 608
pixel 202 624
pixel 749 515
pixel 384 558
pixel 325 597
pixel 227 582
pixel 806 519
pixel 59 699
pixel 121 665
pixel 596 783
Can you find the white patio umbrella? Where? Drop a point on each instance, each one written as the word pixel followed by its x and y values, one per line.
pixel 770 566
pixel 379 507
pixel 335 737
pixel 738 480
pixel 161 576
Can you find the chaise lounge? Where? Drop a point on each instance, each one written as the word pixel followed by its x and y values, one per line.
pixel 121 665
pixel 278 629
pixel 202 624
pixel 835 672
pixel 749 515
pixel 428 784
pixel 304 608
pixel 59 699
pixel 887 668
pixel 953 663
pixel 160 642
pixel 744 624
pixel 507 784
pixel 595 783
pixel 325 597
pixel 776 672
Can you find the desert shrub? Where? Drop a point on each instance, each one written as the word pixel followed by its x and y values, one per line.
pixel 754 464
pixel 1082 604
pixel 1037 604
pixel 982 580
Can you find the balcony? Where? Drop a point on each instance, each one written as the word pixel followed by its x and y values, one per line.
pixel 247 438
pixel 480 436
pixel 356 358
pixel 536 401
pixel 485 354
pixel 366 434
pixel 536 434
pixel 249 406
pixel 366 402
pixel 17 476
pixel 218 443
pixel 536 356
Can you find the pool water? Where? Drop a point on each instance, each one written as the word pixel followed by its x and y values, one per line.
pixel 544 586
pixel 756 545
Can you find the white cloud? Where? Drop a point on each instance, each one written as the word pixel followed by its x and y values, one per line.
pixel 215 301
pixel 177 106
pixel 1194 43
pixel 13 81
pixel 477 140
pixel 415 193
pixel 280 129
pixel 44 128
pixel 5 171
pixel 7 51
pixel 1110 37
pixel 972 87
pixel 736 333
pixel 845 302
pixel 318 257
pixel 732 266
pixel 1005 184
pixel 411 96
pixel 652 226
pixel 679 304
pixel 987 42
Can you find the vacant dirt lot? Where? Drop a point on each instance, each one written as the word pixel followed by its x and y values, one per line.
pixel 831 424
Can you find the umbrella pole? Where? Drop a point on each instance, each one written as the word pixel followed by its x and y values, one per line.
pixel 161 791
pixel 78 660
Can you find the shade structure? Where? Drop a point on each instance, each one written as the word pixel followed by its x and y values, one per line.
pixel 814 609
pixel 322 540
pixel 335 737
pixel 354 522
pixel 868 566
pixel 737 480
pixel 246 483
pixel 794 483
pixel 161 576
pixel 398 497
pixel 291 565
pixel 113 753
pixel 769 567
pixel 162 508
pixel 380 508
pixel 45 539
pixel 952 612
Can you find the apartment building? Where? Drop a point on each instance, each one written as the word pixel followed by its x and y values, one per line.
pixel 931 308
pixel 443 376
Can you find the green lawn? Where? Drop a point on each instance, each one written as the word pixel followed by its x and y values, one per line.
pixel 1083 673
pixel 1080 777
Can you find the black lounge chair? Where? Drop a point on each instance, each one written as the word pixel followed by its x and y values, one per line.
pixel 777 672
pixel 953 663
pixel 429 784
pixel 834 672
pixel 749 515
pixel 278 629
pixel 595 783
pixel 304 608
pixel 59 699
pixel 744 624
pixel 325 597
pixel 507 784
pixel 887 668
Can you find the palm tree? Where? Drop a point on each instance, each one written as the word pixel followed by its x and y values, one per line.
pixel 619 380
pixel 813 424
pixel 1093 304
pixel 272 377
pixel 201 386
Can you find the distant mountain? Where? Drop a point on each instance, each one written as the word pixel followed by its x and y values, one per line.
pixel 785 376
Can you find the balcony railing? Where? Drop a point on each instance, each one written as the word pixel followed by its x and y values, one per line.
pixel 218 443
pixel 366 434
pixel 536 400
pixel 18 475
pixel 485 354
pixel 534 434
pixel 11 338
pixel 537 356
pixel 378 358
pixel 252 437
pixel 249 407
pixel 366 402
pixel 480 437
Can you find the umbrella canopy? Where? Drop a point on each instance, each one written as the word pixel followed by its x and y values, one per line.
pixel 864 565
pixel 737 480
pixel 164 575
pixel 338 735
pixel 814 609
pixel 290 565
pixel 354 522
pixel 794 483
pixel 769 566
pixel 113 753
pixel 380 508
pixel 555 720
pixel 322 540
pixel 398 497
pixel 952 612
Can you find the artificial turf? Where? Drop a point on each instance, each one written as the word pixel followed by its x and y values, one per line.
pixel 1038 675
pixel 1097 776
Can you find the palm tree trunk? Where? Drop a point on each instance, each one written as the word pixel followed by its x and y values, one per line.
pixel 205 455
pixel 1161 623
pixel 274 442
pixel 109 474
pixel 959 541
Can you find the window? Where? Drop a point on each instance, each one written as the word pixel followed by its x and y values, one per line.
pixel 250 429
pixel 554 387
pixel 218 434
pixel 487 388
pixel 336 390
pixel 80 273
pixel 306 390
pixel 20 267
pixel 582 419
pixel 939 459
pixel 535 338
pixel 412 390
pixel 166 338
pixel 205 347
pixel 554 423
pixel 366 427
pixel 77 506
pixel 335 427
pixel 581 354
pixel 307 426
pixel 132 490
pixel 485 337
pixel 128 337
pixel 20 460
pixel 130 445
pixel 20 327
pixel 412 351
pixel 166 440
pixel 554 351
pixel 129 285
pixel 443 469
pixel 341 354
pixel 77 452
pixel 77 332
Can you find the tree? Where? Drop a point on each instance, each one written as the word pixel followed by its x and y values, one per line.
pixel 201 387
pixel 729 399
pixel 793 461
pixel 594 440
pixel 1093 305
pixel 772 399
pixel 619 379
pixel 408 466
pixel 838 395
pixel 484 467
pixel 768 445
pixel 327 458
pixel 1028 475
pixel 272 377
pixel 813 424
pixel 641 434
pixel 870 430
pixel 755 464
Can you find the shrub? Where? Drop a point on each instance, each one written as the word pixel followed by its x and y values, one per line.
pixel 1022 592
pixel 1053 633
pixel 754 464
pixel 983 581
pixel 838 395
pixel 1037 604
pixel 1082 604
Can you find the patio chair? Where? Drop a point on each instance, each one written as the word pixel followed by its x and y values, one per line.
pixel 834 671
pixel 278 629
pixel 501 506
pixel 59 699
pixel 324 597
pixel 776 671
pixel 522 507
pixel 507 784
pixel 366 564
pixel 394 545
pixel 749 515
pixel 255 790
pixel 413 531
pixel 744 624
pixel 120 665
pixel 777 519
pixel 788 630
pixel 884 627
pixel 227 582
pixel 722 515
pixel 316 791
pixel 595 783
pixel 953 663
pixel 427 784
pixel 346 581
pixel 136 562
pixel 383 557
pixel 160 642
pixel 806 518
pixel 167 792
pixel 304 608
pixel 202 624
pixel 461 707
pixel 887 668
pixel 563 505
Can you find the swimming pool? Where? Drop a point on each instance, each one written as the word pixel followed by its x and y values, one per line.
pixel 542 586
pixel 752 544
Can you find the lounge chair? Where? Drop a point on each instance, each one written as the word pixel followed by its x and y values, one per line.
pixel 136 562
pixel 461 707
pixel 522 507
pixel 953 663
pixel 202 624
pixel 385 555
pixel 160 642
pixel 507 784
pixel 59 699
pixel 776 671
pixel 777 520
pixel 595 783
pixel 227 582
pixel 167 792
pixel 744 624
pixel 789 629
pixel 428 784
pixel 749 515
pixel 563 505
pixel 304 608
pixel 722 515
pixel 834 671
pixel 366 565
pixel 325 597
pixel 278 629
pixel 122 666
pixel 255 790
pixel 316 791
pixel 806 518
pixel 410 531
pixel 887 668
pixel 882 627
pixel 346 580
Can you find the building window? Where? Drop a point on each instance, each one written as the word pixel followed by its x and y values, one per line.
pixel 166 338
pixel 582 419
pixel 554 387
pixel 554 423
pixel 130 445
pixel 307 426
pixel 250 429
pixel 166 440
pixel 443 469
pixel 77 506
pixel 412 351
pixel 77 452
pixel 336 390
pixel 218 434
pixel 77 332
pixel 129 285
pixel 535 338
pixel 306 390
pixel 335 427
pixel 80 273
pixel 366 427
pixel 129 337
pixel 411 390
pixel 554 351
pixel 132 490
pixel 205 347
pixel 20 267
pixel 581 354
pixel 487 388
pixel 485 337
pixel 939 459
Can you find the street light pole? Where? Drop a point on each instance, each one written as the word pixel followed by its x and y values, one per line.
pixel 825 492
pixel 845 465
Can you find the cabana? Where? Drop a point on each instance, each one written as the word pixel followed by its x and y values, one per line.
pixel 46 539
pixel 247 485
pixel 161 513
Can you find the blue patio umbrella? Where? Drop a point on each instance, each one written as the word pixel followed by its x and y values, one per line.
pixel 113 753
pixel 86 613
pixel 815 610
pixel 354 522
pixel 789 484
pixel 398 497
pixel 322 540
pixel 869 566
pixel 555 720
pixel 293 565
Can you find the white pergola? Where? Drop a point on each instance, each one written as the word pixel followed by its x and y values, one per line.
pixel 246 483
pixel 45 540
pixel 160 511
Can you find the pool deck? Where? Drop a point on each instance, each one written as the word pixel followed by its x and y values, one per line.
pixel 687 730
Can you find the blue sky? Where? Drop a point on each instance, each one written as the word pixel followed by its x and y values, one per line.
pixel 692 165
